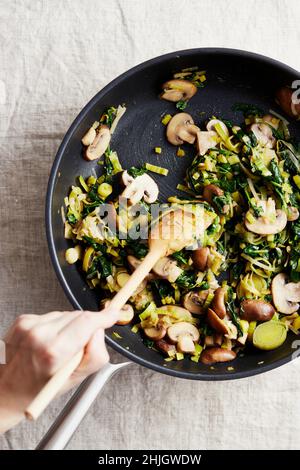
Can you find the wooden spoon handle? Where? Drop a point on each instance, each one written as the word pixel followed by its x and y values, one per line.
pixel 52 387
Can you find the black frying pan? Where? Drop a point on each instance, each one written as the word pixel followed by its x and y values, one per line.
pixel 232 76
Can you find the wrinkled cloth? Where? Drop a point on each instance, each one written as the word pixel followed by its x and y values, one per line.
pixel 54 57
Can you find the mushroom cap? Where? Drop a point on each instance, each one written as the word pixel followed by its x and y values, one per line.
pixel 200 258
pixel 213 355
pixel 166 268
pixel 193 302
pixel 280 295
pixel 181 128
pixel 217 323
pixel 141 187
pixel 100 143
pixel 218 302
pixel 126 315
pixel 284 98
pixel 293 214
pixel 256 310
pixel 263 226
pixel 292 290
pixel 177 90
pixel 155 333
pixel 176 311
pixel 181 329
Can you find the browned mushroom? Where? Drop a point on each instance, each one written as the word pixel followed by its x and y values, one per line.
pixel 256 310
pixel 164 346
pixel 178 90
pixel 217 323
pixel 181 128
pixel 214 340
pixel 155 333
pixel 292 214
pixel 285 100
pixel 184 335
pixel 214 355
pixel 218 302
pixel 200 258
pixel 193 301
pixel 100 143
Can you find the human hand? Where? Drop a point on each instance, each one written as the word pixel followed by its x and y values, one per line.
pixel 38 345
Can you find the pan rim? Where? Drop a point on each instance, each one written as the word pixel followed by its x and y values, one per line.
pixel 48 212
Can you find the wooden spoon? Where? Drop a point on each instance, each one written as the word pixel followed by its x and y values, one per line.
pixel 176 230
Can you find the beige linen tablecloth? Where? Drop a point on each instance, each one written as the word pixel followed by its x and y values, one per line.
pixel 54 56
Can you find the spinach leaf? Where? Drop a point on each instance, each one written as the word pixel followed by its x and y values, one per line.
pixel 163 288
pixel 248 109
pixel 290 155
pixel 71 218
pixel 187 280
pixel 221 201
pixel 95 245
pixel 181 105
pixel 232 310
pixel 138 249
pixel 134 171
pixel 181 256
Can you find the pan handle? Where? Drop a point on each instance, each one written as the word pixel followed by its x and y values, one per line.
pixel 75 410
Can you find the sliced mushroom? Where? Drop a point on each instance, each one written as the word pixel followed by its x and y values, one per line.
pixel 134 263
pixel 185 335
pixel 141 187
pixel 181 128
pixel 89 137
pixel 292 290
pixel 126 315
pixel 217 323
pixel 213 355
pixel 177 90
pixel 167 348
pixel 284 98
pixel 271 120
pixel 256 310
pixel 156 333
pixel 206 140
pixel 100 143
pixel 280 295
pixel 266 224
pixel 176 311
pixel 211 125
pixel 193 301
pixel 263 134
pixel 200 258
pixel 166 268
pixel 292 214
pixel 218 302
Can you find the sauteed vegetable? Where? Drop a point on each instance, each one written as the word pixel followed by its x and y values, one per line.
pixel 238 285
